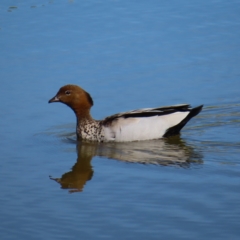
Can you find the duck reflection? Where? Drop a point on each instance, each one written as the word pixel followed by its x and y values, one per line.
pixel 82 170
pixel 170 151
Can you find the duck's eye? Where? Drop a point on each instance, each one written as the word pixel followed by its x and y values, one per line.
pixel 67 92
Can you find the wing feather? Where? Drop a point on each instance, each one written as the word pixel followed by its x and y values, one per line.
pixel 148 112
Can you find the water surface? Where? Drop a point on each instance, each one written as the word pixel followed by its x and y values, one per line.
pixel 128 55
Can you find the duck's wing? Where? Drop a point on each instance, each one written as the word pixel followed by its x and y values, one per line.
pixel 148 112
pixel 148 123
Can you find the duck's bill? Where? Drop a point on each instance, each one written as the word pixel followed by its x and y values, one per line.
pixel 54 99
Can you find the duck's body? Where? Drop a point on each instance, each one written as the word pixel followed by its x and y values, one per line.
pixel 136 125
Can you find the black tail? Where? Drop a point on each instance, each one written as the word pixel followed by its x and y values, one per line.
pixel 176 129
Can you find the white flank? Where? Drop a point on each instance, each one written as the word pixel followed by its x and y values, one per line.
pixel 142 128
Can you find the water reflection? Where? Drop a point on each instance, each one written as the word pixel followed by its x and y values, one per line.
pixel 81 171
pixel 172 151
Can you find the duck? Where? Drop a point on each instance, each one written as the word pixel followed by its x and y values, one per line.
pixel 135 125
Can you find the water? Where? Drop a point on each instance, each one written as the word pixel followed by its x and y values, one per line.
pixel 128 55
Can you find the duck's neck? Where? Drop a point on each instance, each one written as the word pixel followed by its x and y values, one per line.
pixel 83 115
pixel 87 128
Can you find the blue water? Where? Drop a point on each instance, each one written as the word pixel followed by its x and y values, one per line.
pixel 127 55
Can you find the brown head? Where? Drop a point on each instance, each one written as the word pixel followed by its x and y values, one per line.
pixel 76 98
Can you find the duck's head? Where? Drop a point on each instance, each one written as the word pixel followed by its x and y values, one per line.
pixel 73 96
